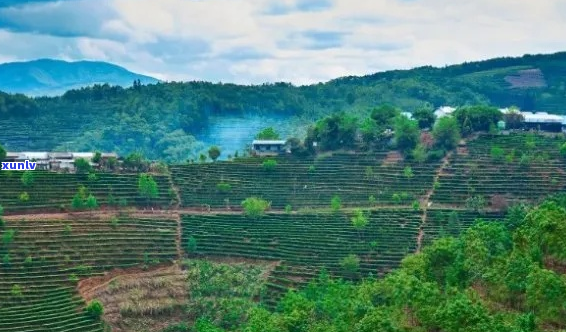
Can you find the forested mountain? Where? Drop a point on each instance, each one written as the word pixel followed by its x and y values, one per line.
pixel 48 77
pixel 162 119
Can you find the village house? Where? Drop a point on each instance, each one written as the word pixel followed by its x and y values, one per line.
pixel 268 147
pixel 56 161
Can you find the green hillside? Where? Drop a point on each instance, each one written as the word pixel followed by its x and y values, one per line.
pixel 162 119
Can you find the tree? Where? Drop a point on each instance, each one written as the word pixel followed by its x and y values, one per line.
pixel 335 203
pixel 254 207
pixel 91 202
pixel 333 132
pixel 2 223
pixel 82 165
pixel 78 202
pixel 425 117
pixel 476 203
pixel 97 158
pixel 3 153
pixel 147 187
pixel 446 133
pixel 95 309
pixel 477 118
pixel 359 220
pixel 135 161
pixel 28 177
pixel 513 119
pixel 214 153
pixel 384 116
pixel 406 134
pixel 267 134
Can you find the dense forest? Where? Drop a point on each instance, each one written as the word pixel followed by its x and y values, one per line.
pixel 161 120
pixel 497 276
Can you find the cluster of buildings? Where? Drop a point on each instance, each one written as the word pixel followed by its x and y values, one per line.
pixel 537 120
pixel 56 161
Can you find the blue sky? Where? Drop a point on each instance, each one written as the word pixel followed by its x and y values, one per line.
pixel 298 41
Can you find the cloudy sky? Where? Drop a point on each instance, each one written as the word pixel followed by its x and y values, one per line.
pixel 256 41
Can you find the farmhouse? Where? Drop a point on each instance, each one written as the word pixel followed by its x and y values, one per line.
pixel 543 121
pixel 268 147
pixel 55 160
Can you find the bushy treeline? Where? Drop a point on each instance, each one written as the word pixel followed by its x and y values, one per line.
pixel 503 276
pixel 420 137
pixel 161 120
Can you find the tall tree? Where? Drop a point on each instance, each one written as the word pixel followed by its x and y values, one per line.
pixel 147 187
pixel 268 134
pixel 407 134
pixel 214 153
pixel 446 133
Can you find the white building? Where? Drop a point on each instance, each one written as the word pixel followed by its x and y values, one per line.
pixel 444 111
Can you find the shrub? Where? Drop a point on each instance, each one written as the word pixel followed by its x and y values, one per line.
pixel 497 154
pixel 91 202
pixel 73 277
pixel 223 187
pixel 191 245
pixel 408 172
pixel 6 260
pixel 312 169
pixel 335 203
pixel 95 308
pixel 67 229
pixel 288 209
pixel 350 263
pixel 92 177
pixel 372 200
pixel 269 165
pixel 563 150
pixel 396 198
pixel 416 205
pixel 114 222
pixel 8 236
pixel 255 207
pixel 28 178
pixel 16 291
pixel 359 220
pixel 24 197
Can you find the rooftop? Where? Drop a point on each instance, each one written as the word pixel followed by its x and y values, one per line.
pixel 269 142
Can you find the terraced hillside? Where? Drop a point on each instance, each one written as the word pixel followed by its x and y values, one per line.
pixel 305 183
pixel 305 243
pixel 54 191
pixel 42 261
pixel 517 167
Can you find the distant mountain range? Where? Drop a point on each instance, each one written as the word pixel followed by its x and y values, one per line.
pixel 48 77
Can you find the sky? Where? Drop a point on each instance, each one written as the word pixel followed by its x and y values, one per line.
pixel 258 41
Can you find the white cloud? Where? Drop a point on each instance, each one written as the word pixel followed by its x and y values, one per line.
pixel 254 41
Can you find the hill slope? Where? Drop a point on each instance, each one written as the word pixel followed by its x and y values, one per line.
pixel 162 119
pixel 53 77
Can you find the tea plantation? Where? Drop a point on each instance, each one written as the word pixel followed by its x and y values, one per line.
pixel 517 167
pixel 50 191
pixel 304 183
pixel 43 260
pixel 306 243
